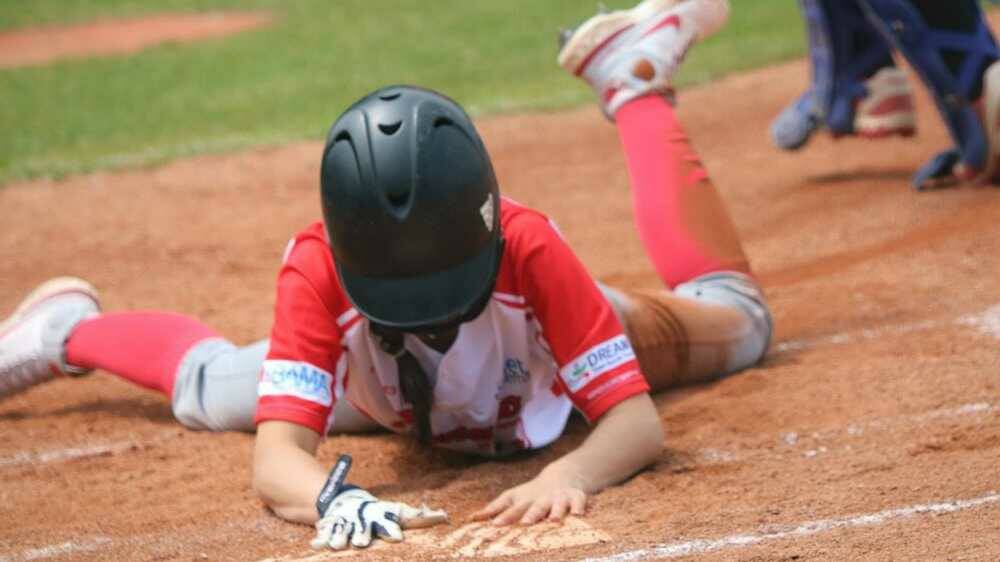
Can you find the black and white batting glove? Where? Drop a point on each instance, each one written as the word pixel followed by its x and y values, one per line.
pixel 351 515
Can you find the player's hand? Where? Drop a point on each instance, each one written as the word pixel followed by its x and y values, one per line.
pixel 356 517
pixel 549 496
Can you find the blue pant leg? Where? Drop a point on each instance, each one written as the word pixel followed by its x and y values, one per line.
pixel 924 46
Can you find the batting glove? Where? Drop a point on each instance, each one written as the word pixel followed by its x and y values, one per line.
pixel 357 517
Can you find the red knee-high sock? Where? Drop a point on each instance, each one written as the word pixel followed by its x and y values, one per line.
pixel 143 347
pixel 682 222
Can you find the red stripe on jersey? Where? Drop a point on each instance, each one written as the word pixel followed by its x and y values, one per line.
pixel 595 399
pixel 513 301
pixel 350 323
pixel 293 410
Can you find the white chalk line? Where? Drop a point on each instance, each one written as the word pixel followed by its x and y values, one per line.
pixel 60 549
pixel 171 540
pixel 741 540
pixel 476 540
pixel 986 322
pixel 484 541
pixel 818 440
pixel 72 453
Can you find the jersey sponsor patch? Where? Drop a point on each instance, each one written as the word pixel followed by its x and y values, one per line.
pixel 596 361
pixel 514 371
pixel 295 378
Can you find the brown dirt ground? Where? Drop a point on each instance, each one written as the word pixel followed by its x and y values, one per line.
pixel 881 391
pixel 43 44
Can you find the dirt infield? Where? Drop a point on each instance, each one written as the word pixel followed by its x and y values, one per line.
pixel 871 431
pixel 39 45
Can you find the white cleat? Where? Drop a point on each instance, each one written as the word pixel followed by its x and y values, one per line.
pixel 626 54
pixel 887 109
pixel 32 340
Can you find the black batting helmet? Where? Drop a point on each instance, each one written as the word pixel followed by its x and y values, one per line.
pixel 412 209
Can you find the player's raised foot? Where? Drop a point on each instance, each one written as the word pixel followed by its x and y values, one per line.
pixel 886 110
pixel 33 338
pixel 630 53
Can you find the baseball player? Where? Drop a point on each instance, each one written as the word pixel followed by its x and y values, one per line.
pixel 426 304
pixel 856 88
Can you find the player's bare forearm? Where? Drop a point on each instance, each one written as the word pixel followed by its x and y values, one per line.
pixel 286 474
pixel 627 438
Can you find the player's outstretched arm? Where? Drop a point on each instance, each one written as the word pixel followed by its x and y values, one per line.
pixel 626 438
pixel 286 474
pixel 296 487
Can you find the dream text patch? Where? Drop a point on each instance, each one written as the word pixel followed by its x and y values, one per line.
pixel 294 378
pixel 596 361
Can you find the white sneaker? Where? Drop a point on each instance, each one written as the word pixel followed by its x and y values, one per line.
pixel 32 340
pixel 887 109
pixel 626 54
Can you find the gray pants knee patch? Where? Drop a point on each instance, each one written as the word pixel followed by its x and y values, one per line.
pixel 216 390
pixel 216 386
pixel 738 292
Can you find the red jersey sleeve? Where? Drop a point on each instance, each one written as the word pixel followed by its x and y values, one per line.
pixel 597 366
pixel 302 376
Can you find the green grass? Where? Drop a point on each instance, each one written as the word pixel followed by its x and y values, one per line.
pixel 289 81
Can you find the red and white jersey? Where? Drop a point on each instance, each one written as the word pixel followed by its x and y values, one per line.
pixel 546 342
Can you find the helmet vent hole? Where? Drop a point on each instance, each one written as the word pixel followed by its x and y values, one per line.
pixel 442 121
pixel 398 199
pixel 389 96
pixel 342 136
pixel 390 128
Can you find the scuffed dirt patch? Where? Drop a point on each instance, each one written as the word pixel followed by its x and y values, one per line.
pixel 43 44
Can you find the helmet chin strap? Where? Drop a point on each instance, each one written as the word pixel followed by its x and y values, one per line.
pixel 441 340
pixel 414 384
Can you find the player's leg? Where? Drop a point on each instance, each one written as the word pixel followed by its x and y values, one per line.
pixel 629 58
pixel 951 47
pixel 212 383
pixel 716 320
pixel 855 88
pixel 58 330
pixel 710 327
